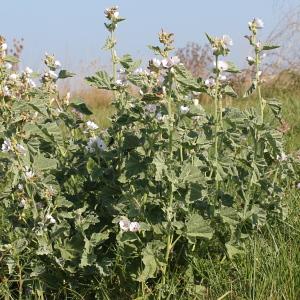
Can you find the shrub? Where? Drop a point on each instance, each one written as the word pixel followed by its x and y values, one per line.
pixel 115 213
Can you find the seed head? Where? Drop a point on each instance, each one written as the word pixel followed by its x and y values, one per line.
pixel 112 13
pixel 166 38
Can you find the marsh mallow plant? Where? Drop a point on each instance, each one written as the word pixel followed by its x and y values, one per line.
pixel 165 185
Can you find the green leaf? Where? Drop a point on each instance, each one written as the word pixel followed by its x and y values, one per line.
pixel 196 226
pixel 183 76
pixel 232 68
pixel 43 163
pixel 157 50
pixel 128 63
pixel 230 91
pixel 269 47
pixel 11 59
pixel 151 97
pixel 230 216
pixel 251 90
pixel 153 258
pixel 100 80
pixel 276 108
pixel 159 163
pixel 65 74
pixel 149 269
pixel 80 106
pixel 233 250
pixel 210 39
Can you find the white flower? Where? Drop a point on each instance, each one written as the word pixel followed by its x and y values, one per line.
pixel 196 102
pixel 156 62
pixel 50 219
pixel 222 77
pixel 159 116
pixel 210 82
pixel 28 173
pixel 175 60
pixel 282 157
pixel 22 203
pixel 28 70
pixel 13 76
pixel 227 40
pixel 116 14
pixel 7 146
pixel 20 187
pixel 124 225
pixel 68 96
pixel 259 73
pixel 258 45
pixel 184 109
pixel 4 47
pixel 170 62
pixel 138 71
pixel 95 142
pixel 52 74
pixel 151 108
pixel 91 125
pixel 57 64
pixel 100 144
pixel 8 66
pixel 6 91
pixel 31 83
pixel 165 63
pixel 298 185
pixel 134 227
pixel 119 82
pixel 122 71
pixel 258 23
pixel 21 149
pixel 250 60
pixel 222 65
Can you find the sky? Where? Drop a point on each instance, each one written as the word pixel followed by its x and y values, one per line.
pixel 73 29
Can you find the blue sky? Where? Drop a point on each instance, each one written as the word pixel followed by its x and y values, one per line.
pixel 73 29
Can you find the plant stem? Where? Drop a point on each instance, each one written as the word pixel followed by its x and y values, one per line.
pixel 113 57
pixel 217 112
pixel 218 117
pixel 171 187
pixel 258 81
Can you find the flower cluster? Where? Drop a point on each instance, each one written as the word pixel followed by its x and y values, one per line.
pixel 255 24
pixel 3 48
pixel 95 143
pixel 166 38
pixel 50 76
pixel 91 125
pixel 112 13
pixel 7 146
pixel 155 64
pixel 126 225
pixel 29 174
pixel 220 45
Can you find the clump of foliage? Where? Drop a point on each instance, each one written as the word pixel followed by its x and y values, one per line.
pixel 91 213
